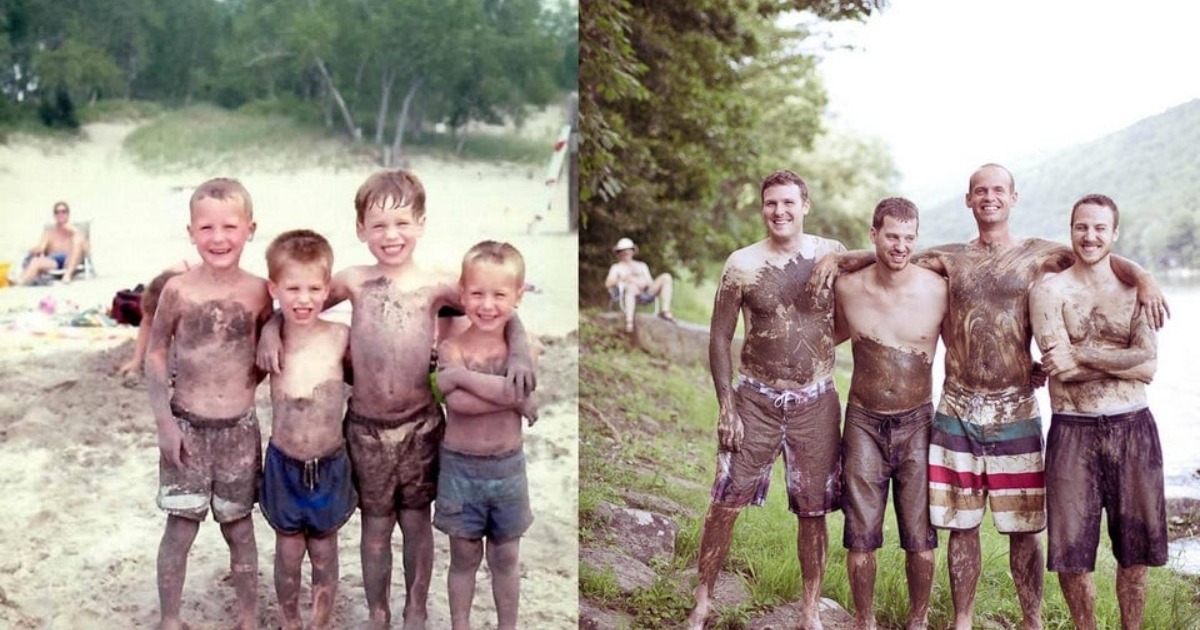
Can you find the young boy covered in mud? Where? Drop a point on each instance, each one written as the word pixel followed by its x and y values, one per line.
pixel 209 319
pixel 306 493
pixel 393 424
pixel 482 490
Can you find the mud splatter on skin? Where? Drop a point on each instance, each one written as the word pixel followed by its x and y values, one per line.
pixel 392 336
pixel 495 366
pixel 303 425
pixel 888 379
pixel 789 338
pixel 987 330
pixel 216 333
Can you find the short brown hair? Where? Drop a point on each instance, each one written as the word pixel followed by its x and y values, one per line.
pixel 302 247
pixel 223 188
pixel 783 178
pixel 154 291
pixel 1098 200
pixel 898 208
pixel 402 187
pixel 496 253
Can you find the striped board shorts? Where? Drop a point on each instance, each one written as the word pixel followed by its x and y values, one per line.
pixel 987 448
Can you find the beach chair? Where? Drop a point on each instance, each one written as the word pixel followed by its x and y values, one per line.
pixel 85 267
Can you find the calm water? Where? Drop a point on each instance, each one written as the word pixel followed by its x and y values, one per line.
pixel 1175 400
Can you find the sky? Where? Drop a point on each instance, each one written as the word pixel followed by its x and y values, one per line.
pixel 952 84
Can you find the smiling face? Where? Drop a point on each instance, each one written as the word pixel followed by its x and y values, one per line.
pixel 220 228
pixel 783 210
pixel 301 289
pixel 490 293
pixel 1092 233
pixel 391 232
pixel 991 195
pixel 894 242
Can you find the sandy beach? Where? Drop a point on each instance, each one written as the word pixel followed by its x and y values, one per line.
pixel 78 455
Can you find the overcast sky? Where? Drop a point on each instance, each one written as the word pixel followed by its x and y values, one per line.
pixel 951 84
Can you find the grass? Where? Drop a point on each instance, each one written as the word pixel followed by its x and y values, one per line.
pixel 648 425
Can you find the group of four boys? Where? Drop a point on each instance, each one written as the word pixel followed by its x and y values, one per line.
pixel 394 451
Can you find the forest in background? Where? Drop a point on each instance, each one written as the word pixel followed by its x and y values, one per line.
pixel 1151 169
pixel 374 71
pixel 686 105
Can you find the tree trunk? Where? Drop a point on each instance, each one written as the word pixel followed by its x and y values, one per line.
pixel 402 120
pixel 354 131
pixel 385 98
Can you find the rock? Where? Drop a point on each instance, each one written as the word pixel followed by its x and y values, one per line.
pixel 644 535
pixel 652 503
pixel 629 573
pixel 592 617
pixel 833 617
pixel 728 592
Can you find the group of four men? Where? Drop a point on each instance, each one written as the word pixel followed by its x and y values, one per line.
pixel 1093 315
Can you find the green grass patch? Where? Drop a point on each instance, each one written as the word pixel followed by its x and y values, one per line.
pixel 486 147
pixel 650 426
pixel 119 110
pixel 209 138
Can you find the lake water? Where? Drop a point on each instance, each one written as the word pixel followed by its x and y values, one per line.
pixel 1175 400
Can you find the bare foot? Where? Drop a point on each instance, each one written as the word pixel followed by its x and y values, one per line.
pixel 695 620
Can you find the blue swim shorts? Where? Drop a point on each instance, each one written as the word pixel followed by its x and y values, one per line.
pixel 482 495
pixel 313 497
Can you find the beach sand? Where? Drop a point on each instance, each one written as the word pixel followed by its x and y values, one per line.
pixel 78 454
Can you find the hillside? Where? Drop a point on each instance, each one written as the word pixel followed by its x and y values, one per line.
pixel 1151 169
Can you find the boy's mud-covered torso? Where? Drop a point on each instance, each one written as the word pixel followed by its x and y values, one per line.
pixel 392 336
pixel 307 397
pixel 214 324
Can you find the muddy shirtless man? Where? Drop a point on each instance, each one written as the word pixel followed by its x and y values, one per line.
pixel 986 442
pixel 784 397
pixel 892 313
pixel 208 320
pixel 62 246
pixel 1103 451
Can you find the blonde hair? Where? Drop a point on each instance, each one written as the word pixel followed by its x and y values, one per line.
pixel 223 189
pixel 402 187
pixel 497 253
pixel 300 247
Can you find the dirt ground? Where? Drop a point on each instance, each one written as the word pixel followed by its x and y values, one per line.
pixel 78 454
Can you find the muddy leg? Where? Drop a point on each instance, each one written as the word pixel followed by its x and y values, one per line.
pixel 417 529
pixel 812 545
pixel 172 568
pixel 465 556
pixel 1080 592
pixel 964 559
pixel 918 567
pixel 860 565
pixel 289 554
pixel 323 553
pixel 714 546
pixel 1131 595
pixel 376 550
pixel 1027 564
pixel 243 564
pixel 503 562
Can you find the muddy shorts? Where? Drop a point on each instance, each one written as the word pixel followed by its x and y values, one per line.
pixel 800 423
pixel 1112 463
pixel 877 448
pixel 987 448
pixel 311 497
pixel 482 495
pixel 224 457
pixel 395 462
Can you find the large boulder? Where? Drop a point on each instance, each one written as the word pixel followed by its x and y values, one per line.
pixel 592 617
pixel 833 617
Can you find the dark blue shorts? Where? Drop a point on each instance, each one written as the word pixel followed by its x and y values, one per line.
pixel 312 497
pixel 481 495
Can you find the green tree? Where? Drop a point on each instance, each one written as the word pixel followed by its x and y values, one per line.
pixel 684 107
